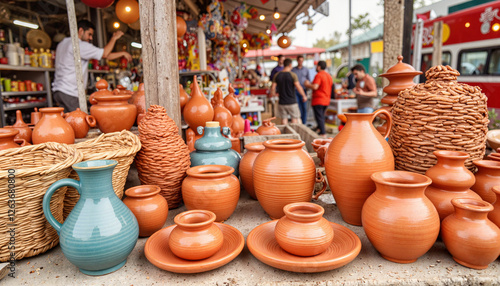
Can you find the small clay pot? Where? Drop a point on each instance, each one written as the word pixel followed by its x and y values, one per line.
pixel 268 128
pixel 53 128
pixel 487 176
pixel 148 206
pixel 196 236
pixel 303 231
pixel 80 122
pixel 494 215
pixel 113 112
pixel 7 140
pixel 246 165
pixel 24 130
pixel 472 239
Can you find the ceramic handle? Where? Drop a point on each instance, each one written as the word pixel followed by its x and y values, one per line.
pixel 92 99
pixel 226 131
pixel 91 120
pixel 21 142
pixel 320 179
pixel 389 120
pixel 48 195
pixel 200 130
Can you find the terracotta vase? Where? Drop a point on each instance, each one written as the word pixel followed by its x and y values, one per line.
pixel 354 155
pixel 398 219
pixel 80 122
pixel 113 112
pixel 53 128
pixel 231 103
pixel 450 179
pixel 268 128
pixel 35 116
pixel 184 98
pixel 471 238
pixel 494 215
pixel 139 100
pixel 7 140
pixel 303 231
pixel 284 173
pixel 148 206
pixel 23 128
pixel 487 176
pixel 196 236
pixel 246 165
pixel 198 110
pixel 320 146
pixel 213 188
pixel 221 114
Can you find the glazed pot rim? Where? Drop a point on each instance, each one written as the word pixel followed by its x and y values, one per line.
pixel 142 191
pixel 451 154
pixel 256 146
pixel 284 144
pixel 51 109
pixel 401 179
pixel 8 132
pixel 472 204
pixel 94 165
pixel 487 164
pixel 202 218
pixel 316 211
pixel 210 171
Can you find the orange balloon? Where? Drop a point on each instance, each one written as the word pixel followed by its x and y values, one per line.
pixel 127 11
pixel 181 27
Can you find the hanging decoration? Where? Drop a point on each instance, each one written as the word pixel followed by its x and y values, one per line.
pixel 284 42
pixel 181 27
pixel 127 11
pixel 273 29
pixel 98 3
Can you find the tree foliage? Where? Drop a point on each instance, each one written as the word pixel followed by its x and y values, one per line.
pixel 325 43
pixel 361 22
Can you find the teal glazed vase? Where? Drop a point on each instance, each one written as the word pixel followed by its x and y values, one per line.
pixel 214 149
pixel 100 232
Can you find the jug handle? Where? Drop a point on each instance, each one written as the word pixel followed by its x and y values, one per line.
pixel 21 142
pixel 200 130
pixel 226 131
pixel 48 195
pixel 389 120
pixel 90 120
pixel 320 179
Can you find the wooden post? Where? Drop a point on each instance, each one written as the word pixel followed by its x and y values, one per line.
pixel 159 52
pixel 438 44
pixel 407 31
pixel 393 34
pixel 202 49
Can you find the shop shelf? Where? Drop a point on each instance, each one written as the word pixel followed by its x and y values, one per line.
pixel 24 105
pixel 18 93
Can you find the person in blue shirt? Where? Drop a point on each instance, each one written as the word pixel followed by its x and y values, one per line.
pixel 278 68
pixel 303 75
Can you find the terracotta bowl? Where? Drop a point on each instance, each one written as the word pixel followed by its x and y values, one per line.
pixel 493 138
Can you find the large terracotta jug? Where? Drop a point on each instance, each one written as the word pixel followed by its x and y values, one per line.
pixel 198 110
pixel 221 113
pixel 284 173
pixel 472 239
pixel 246 166
pixel 7 140
pixel 113 112
pixel 450 179
pixel 399 220
pixel 354 155
pixel 80 122
pixel 494 215
pixel 487 176
pixel 53 128
pixel 23 128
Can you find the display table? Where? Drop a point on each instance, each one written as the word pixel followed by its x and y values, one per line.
pixel 434 268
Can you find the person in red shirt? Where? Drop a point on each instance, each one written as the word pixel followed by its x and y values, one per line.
pixel 322 89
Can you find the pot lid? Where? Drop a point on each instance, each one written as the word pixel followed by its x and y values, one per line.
pixel 401 67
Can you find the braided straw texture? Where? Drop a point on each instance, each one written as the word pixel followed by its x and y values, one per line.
pixel 120 146
pixel 440 114
pixel 36 167
pixel 164 157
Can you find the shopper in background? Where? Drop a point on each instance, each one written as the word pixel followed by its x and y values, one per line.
pixel 278 68
pixel 322 89
pixel 365 90
pixel 286 82
pixel 303 75
pixel 64 85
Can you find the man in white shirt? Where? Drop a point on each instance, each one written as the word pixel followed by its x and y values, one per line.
pixel 64 85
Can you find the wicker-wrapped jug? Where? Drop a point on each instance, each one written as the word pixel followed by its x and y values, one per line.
pixel 440 114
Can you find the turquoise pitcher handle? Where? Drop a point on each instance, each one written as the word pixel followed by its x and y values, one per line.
pixel 200 130
pixel 48 196
pixel 226 131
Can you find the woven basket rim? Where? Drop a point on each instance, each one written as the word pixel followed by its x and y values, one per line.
pixel 124 151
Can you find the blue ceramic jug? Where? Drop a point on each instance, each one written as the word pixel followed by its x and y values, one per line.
pixel 100 232
pixel 214 149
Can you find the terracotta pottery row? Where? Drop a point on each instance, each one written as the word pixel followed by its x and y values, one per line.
pixel 246 166
pixel 221 113
pixel 487 176
pixel 494 215
pixel 25 131
pixel 80 122
pixel 53 128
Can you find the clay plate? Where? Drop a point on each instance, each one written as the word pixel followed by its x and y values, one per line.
pixel 344 248
pixel 159 254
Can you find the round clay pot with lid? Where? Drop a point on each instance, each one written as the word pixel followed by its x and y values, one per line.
pixel 52 127
pixel 268 128
pixel 148 206
pixel 487 176
pixel 471 238
pixel 80 122
pixel 494 215
pixel 213 188
pixel 113 112
pixel 102 89
pixel 23 128
pixel 303 231
pixel 450 179
pixel 246 165
pixel 7 140
pixel 196 236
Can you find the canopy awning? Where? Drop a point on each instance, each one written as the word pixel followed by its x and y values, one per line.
pixel 274 51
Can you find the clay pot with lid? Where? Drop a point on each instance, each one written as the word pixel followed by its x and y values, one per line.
pixel 487 176
pixel 284 173
pixel 195 235
pixel 7 140
pixel 184 98
pixel 398 219
pixel 303 231
pixel 53 128
pixel 102 89
pixel 450 179
pixel 246 165
pixel 80 122
pixel 148 206
pixel 471 238
pixel 198 110
pixel 213 188
pixel 268 128
pixel 139 100
pixel 23 128
pixel 221 113
pixel 494 215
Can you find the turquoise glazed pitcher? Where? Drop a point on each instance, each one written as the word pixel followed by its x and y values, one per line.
pixel 214 149
pixel 100 232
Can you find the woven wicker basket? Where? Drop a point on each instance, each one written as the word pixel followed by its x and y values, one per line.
pixel 120 146
pixel 440 114
pixel 36 167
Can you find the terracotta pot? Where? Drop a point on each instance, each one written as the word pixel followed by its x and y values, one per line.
pixel 354 155
pixel 399 220
pixel 148 206
pixel 472 239
pixel 238 126
pixel 113 112
pixel 268 128
pixel 284 173
pixel 221 114
pixel 7 140
pixel 213 188
pixel 53 128
pixel 450 179
pixel 196 236
pixel 35 116
pixel 494 215
pixel 231 103
pixel 23 128
pixel 487 176
pixel 139 100
pixel 246 165
pixel 184 98
pixel 102 89
pixel 80 122
pixel 198 110
pixel 320 146
pixel 303 231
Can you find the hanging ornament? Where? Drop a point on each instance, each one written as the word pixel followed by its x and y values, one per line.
pixel 284 42
pixel 273 28
pixel 98 3
pixel 127 11
pixel 181 27
pixel 236 17
pixel 253 12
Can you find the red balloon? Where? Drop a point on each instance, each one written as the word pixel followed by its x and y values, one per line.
pixel 98 3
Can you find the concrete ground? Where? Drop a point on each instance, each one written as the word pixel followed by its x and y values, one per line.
pixel 434 268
